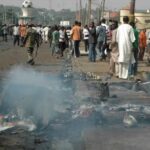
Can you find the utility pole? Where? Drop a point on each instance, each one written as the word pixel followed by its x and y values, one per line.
pixel 50 4
pixel 100 11
pixel 132 10
pixel 85 16
pixel 103 8
pixel 89 10
pixel 12 16
pixel 80 11
pixel 76 9
pixel 5 15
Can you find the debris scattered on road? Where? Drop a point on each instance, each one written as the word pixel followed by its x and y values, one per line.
pixel 129 121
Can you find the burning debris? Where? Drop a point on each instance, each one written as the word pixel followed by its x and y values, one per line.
pixel 84 111
pixel 89 76
pixel 28 124
pixel 7 122
pixel 30 93
pixel 103 90
pixel 62 107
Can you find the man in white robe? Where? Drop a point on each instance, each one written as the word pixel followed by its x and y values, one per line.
pixel 46 30
pixel 125 38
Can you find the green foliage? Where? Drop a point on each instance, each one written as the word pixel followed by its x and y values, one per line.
pixel 10 15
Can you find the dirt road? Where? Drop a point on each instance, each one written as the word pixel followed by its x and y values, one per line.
pixel 85 120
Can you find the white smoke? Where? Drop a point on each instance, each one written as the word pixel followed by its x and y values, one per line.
pixel 32 93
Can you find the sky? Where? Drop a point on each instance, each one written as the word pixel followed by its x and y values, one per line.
pixel 71 4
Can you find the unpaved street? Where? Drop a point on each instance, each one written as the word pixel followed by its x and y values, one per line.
pixel 61 104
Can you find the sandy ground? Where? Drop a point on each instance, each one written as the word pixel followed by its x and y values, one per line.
pixel 10 55
pixel 102 68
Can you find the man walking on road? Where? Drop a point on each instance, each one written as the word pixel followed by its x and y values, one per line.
pixel 125 39
pixel 86 38
pixel 92 42
pixel 16 32
pixel 30 40
pixel 114 51
pixel 5 32
pixel 101 40
pixel 134 67
pixel 62 40
pixel 55 41
pixel 23 32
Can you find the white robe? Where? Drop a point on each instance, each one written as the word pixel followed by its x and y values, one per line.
pixel 46 30
pixel 125 38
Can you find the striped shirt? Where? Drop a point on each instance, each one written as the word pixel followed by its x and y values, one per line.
pixel 61 36
pixel 85 34
pixel 68 33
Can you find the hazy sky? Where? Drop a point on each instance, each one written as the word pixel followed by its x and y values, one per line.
pixel 71 4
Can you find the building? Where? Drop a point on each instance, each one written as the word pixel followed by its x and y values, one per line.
pixel 27 12
pixel 142 18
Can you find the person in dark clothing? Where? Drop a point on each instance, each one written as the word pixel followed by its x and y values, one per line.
pixel 92 42
pixel 51 29
pixel 134 67
pixel 101 40
pixel 5 32
pixel 62 40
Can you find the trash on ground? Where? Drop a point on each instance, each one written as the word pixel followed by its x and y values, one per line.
pixel 84 111
pixel 129 121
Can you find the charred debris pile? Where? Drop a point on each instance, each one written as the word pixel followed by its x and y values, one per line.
pixel 49 112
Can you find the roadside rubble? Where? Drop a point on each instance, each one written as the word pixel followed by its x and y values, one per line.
pixel 129 121
pixel 87 101
pixel 84 111
pixel 62 145
pixel 98 99
pixel 87 107
pixel 8 122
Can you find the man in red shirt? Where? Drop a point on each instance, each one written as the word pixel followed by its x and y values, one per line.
pixel 142 44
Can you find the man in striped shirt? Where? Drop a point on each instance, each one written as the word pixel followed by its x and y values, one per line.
pixel 86 37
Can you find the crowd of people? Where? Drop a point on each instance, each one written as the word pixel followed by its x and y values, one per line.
pixel 123 44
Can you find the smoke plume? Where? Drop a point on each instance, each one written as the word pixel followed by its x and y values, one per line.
pixel 27 92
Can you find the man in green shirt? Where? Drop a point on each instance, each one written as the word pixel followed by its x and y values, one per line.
pixel 134 67
pixel 55 41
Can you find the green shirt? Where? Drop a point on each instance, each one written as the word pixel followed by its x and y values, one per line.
pixel 55 37
pixel 136 43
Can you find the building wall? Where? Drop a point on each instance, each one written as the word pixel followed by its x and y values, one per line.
pixel 124 12
pixel 142 19
pixel 27 12
pixel 27 16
